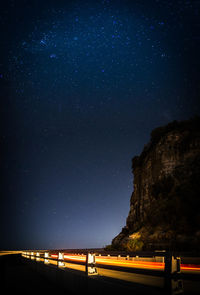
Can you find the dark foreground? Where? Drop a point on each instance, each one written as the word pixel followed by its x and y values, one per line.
pixel 17 274
pixel 17 278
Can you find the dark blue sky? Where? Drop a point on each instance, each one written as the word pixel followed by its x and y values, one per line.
pixel 83 83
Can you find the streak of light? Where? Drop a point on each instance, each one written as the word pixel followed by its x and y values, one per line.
pixel 132 264
pixel 54 255
pixel 9 252
pixel 127 263
pixel 190 267
pixel 80 258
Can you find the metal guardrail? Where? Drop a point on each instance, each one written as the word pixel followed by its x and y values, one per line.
pixel 87 258
pixel 88 262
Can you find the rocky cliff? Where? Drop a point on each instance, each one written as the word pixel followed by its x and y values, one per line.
pixel 165 203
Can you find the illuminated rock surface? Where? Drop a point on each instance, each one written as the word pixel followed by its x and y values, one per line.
pixel 164 204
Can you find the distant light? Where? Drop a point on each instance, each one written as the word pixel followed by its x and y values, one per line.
pixel 53 55
pixel 43 42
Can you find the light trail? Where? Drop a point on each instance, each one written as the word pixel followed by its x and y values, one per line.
pixel 127 263
pixel 131 264
pixel 190 267
pixel 123 268
pixel 54 255
pixel 9 252
pixel 81 258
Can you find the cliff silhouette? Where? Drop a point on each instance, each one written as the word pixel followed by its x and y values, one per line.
pixel 164 206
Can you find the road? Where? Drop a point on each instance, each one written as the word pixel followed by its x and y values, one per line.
pixel 130 270
pixel 127 269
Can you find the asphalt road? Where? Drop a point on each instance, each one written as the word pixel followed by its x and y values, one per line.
pixel 17 278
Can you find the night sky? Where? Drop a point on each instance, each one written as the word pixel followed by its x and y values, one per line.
pixel 82 84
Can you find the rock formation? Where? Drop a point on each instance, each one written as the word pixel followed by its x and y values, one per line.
pixel 165 204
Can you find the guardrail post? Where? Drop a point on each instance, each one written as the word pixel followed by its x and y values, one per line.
pixel 172 283
pixel 90 267
pixel 60 258
pixel 37 256
pixel 46 256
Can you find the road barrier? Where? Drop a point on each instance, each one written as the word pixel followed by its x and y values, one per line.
pixel 160 264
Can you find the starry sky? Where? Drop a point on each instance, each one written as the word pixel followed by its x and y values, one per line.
pixel 82 84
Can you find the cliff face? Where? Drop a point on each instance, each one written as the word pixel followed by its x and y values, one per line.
pixel 163 206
